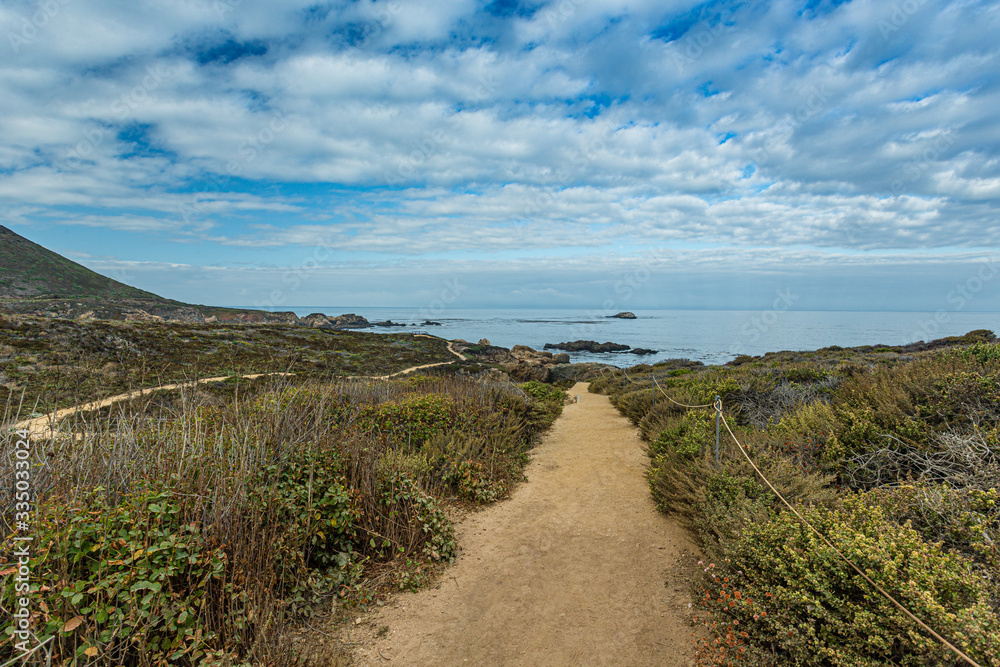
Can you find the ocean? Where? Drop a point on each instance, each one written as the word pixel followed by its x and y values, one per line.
pixel 709 336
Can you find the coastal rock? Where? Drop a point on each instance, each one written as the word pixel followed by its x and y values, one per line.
pixel 524 371
pixel 321 321
pixel 561 358
pixel 388 323
pixel 350 321
pixel 431 323
pixel 641 351
pixel 525 353
pixel 625 315
pixel 578 372
pixel 485 341
pixel 257 317
pixel 587 346
pixel 316 321
pixel 489 354
pixel 141 316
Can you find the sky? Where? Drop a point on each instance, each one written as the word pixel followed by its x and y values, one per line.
pixel 615 155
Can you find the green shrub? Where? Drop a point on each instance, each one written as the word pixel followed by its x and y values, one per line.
pixel 127 581
pixel 542 391
pixel 473 481
pixel 693 433
pixel 411 421
pixel 981 352
pixel 796 594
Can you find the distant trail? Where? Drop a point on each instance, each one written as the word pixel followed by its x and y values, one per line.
pixel 416 368
pixel 576 568
pixel 47 425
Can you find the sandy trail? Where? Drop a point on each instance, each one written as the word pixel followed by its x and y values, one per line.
pixel 47 425
pixel 576 568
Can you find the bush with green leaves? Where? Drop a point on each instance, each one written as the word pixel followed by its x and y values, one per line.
pixel 789 590
pixel 130 581
pixel 410 421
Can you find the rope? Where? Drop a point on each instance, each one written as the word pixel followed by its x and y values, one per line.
pixel 717 404
pixel 841 555
pixel 683 405
pixel 666 395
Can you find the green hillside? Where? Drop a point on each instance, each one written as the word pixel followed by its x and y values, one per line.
pixel 29 271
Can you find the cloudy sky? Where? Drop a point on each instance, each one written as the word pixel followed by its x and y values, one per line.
pixel 583 153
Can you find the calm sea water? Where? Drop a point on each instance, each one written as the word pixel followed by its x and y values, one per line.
pixel 710 336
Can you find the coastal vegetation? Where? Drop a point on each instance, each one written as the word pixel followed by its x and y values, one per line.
pixel 221 524
pixel 48 363
pixel 891 453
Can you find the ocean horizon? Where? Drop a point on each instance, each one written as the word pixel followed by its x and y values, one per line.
pixel 709 336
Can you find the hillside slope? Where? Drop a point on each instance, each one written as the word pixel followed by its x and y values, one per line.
pixel 29 271
pixel 36 281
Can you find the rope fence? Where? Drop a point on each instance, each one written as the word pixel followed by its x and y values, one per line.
pixel 720 419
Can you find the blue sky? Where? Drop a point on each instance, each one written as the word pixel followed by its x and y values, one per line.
pixel 623 154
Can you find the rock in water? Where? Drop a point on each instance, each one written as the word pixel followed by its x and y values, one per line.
pixel 321 321
pixel 587 346
pixel 625 315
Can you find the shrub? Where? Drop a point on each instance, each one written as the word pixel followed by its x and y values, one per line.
pixel 473 481
pixel 690 435
pixel 411 421
pixel 796 594
pixel 129 582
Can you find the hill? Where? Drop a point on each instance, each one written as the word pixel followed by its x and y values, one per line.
pixel 29 271
pixel 36 281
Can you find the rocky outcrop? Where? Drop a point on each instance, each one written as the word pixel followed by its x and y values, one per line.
pixel 641 351
pixel 587 346
pixel 524 371
pixel 578 372
pixel 623 316
pixel 141 316
pixel 431 323
pixel 521 362
pixel 321 321
pixel 388 323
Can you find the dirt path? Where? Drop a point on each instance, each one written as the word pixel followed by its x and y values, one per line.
pixel 576 568
pixel 417 368
pixel 47 425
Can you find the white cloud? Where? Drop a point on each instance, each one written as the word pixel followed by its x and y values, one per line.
pixel 428 128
